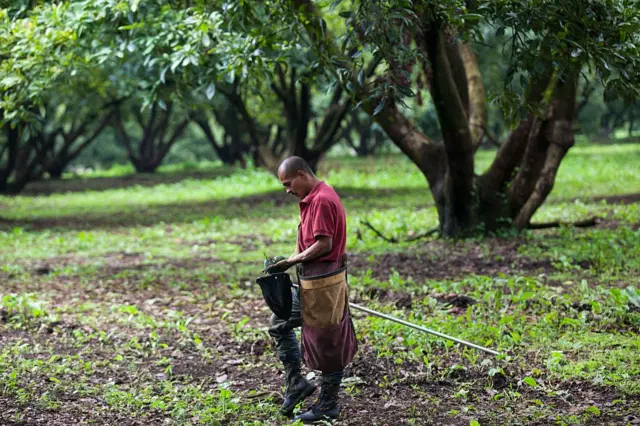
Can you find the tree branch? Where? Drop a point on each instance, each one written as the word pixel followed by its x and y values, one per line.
pixel 122 136
pixel 164 149
pixel 394 240
pixel 587 91
pixel 494 140
pixel 510 153
pixel 561 139
pixel 458 70
pixel 101 126
pixel 208 132
pixel 304 115
pixel 478 116
pixel 236 100
pixel 587 223
pixel 280 90
pixel 160 131
pixel 378 233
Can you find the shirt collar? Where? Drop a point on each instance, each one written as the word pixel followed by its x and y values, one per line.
pixel 310 196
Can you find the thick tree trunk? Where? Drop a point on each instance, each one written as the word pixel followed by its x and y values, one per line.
pixel 458 215
pixel 23 160
pixel 55 171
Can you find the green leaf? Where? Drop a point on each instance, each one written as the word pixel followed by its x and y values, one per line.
pixel 163 73
pixel 530 381
pixel 176 63
pixel 206 40
pixel 379 107
pixel 472 17
pixel 346 14
pixel 474 423
pixel 211 91
pixel 10 81
pixel 60 110
pixel 406 91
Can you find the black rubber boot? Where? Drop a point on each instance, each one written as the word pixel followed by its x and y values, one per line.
pixel 327 406
pixel 298 388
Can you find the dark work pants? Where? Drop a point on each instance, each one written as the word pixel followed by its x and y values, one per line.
pixel 287 342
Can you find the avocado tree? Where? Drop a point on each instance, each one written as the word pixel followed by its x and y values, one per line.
pixel 431 44
pixel 44 128
pixel 143 61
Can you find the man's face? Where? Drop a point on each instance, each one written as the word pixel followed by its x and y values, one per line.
pixel 294 184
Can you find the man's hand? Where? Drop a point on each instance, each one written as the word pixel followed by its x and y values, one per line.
pixel 281 266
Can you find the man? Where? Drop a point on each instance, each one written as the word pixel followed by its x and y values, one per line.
pixel 328 337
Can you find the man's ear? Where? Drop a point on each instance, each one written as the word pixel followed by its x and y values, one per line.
pixel 301 174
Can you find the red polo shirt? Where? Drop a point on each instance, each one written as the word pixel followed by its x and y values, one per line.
pixel 322 214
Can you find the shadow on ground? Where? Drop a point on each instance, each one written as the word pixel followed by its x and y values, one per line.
pixel 79 184
pixel 359 200
pixel 252 206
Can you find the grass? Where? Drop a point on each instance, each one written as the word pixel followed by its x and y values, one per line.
pixel 131 299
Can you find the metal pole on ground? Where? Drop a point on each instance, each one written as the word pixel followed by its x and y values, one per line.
pixel 423 329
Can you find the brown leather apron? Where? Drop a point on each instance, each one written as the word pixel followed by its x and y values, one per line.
pixel 328 336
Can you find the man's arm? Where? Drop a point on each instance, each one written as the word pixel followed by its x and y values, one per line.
pixel 322 246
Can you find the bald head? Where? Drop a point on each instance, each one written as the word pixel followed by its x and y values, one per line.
pixel 292 165
pixel 297 177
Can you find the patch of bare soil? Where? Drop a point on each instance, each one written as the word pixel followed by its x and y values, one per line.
pixel 82 411
pixel 443 260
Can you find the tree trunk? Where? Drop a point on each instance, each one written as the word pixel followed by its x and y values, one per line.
pixel 10 152
pixel 24 159
pixel 55 171
pixel 156 140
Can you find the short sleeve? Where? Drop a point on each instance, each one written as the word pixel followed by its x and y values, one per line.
pixel 324 219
